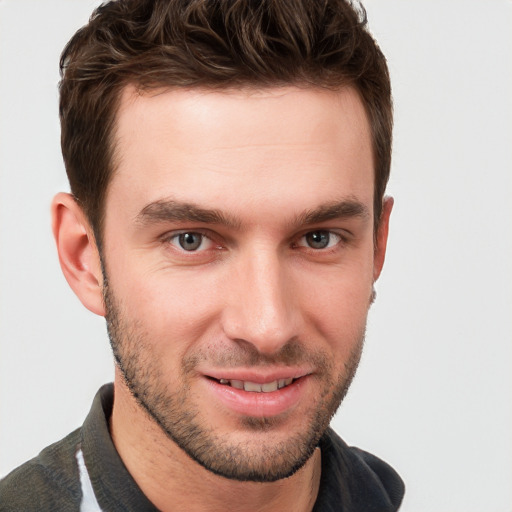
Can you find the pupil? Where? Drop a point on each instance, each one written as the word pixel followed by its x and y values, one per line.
pixel 190 241
pixel 318 239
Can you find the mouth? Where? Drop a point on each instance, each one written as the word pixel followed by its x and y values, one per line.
pixel 255 394
pixel 255 387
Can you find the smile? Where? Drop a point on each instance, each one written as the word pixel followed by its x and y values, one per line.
pixel 251 393
pixel 255 387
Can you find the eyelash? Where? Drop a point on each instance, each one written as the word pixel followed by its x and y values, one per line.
pixel 174 240
pixel 176 236
pixel 330 234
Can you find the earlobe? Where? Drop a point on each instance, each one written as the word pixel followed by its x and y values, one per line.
pixel 78 253
pixel 382 237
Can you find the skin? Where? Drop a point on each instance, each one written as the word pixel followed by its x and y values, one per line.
pixel 258 297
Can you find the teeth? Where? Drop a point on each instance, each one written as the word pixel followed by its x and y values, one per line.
pixel 269 386
pixel 284 382
pixel 254 387
pixel 238 384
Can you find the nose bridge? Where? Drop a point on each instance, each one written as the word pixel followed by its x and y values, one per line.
pixel 261 309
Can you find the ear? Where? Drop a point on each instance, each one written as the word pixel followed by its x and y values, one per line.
pixel 382 237
pixel 78 253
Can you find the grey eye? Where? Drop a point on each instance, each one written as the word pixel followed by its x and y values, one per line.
pixel 318 239
pixel 190 241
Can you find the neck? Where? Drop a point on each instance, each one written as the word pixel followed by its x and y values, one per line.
pixel 171 480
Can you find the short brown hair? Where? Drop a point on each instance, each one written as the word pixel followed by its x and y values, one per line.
pixel 216 44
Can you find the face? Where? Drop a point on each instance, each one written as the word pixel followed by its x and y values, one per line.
pixel 239 262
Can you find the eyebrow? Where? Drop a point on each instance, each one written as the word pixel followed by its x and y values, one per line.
pixel 169 210
pixel 344 209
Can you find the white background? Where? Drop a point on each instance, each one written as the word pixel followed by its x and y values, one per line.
pixel 434 392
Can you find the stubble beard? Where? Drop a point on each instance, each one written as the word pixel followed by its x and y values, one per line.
pixel 178 417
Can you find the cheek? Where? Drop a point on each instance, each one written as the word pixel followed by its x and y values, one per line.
pixel 336 302
pixel 342 314
pixel 174 307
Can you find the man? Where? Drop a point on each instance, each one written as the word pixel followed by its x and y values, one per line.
pixel 228 163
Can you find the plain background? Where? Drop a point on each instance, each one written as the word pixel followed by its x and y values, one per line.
pixel 434 391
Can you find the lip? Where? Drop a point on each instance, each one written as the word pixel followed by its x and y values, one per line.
pixel 254 404
pixel 259 376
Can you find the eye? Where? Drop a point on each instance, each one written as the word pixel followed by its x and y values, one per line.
pixel 320 239
pixel 190 241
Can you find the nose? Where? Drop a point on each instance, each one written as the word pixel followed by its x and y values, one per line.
pixel 261 308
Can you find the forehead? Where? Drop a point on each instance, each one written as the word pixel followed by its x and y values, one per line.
pixel 292 112
pixel 249 145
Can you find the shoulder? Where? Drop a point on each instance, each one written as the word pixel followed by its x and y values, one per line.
pixel 47 482
pixel 357 479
